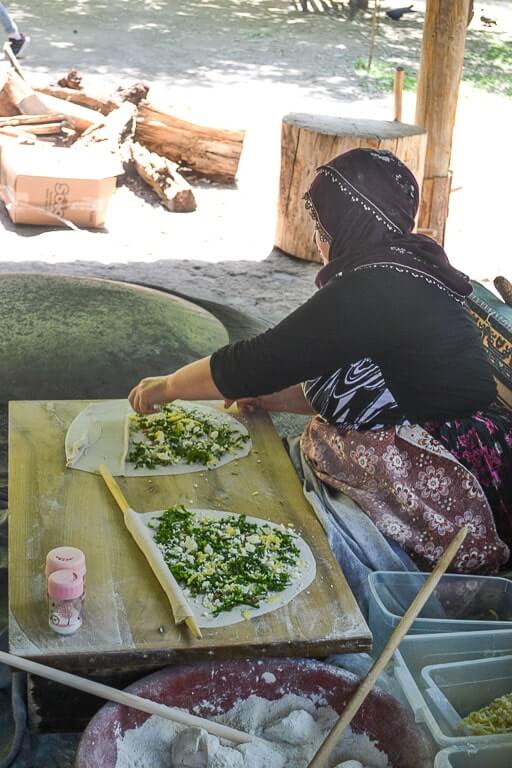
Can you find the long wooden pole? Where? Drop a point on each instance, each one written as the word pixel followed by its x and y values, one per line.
pixel 442 59
pixel 321 759
pixel 125 698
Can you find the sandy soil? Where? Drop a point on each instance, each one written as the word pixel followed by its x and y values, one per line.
pixel 245 64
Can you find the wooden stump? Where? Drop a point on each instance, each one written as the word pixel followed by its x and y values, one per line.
pixel 308 141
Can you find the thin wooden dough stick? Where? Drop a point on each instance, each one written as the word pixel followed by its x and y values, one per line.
pixel 140 533
pixel 125 698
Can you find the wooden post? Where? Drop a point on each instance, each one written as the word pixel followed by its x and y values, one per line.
pixel 442 58
pixel 373 39
pixel 398 92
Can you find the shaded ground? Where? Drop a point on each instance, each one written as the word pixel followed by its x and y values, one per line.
pixel 245 64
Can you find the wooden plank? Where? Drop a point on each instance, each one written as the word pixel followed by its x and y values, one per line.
pixel 128 621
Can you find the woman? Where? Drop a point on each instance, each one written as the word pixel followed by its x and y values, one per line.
pixel 389 358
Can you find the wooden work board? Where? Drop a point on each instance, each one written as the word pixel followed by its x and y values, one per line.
pixel 128 624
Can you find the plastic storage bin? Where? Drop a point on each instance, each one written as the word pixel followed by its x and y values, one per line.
pixel 455 690
pixel 419 651
pixel 487 757
pixel 459 603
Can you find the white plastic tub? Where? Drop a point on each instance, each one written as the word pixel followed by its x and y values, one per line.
pixel 420 651
pixel 454 690
pixel 458 604
pixel 466 757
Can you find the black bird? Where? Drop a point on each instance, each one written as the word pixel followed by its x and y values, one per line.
pixel 397 13
pixel 486 21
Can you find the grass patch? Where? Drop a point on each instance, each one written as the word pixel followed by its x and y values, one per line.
pixel 380 77
pixel 487 65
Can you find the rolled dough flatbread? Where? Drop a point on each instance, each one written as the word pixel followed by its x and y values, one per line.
pixel 306 568
pixel 100 435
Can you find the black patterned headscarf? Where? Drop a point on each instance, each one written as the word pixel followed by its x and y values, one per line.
pixel 364 203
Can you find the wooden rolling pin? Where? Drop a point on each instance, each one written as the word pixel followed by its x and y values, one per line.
pixel 322 757
pixel 182 612
pixel 125 698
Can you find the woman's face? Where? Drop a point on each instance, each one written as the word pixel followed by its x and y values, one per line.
pixel 322 245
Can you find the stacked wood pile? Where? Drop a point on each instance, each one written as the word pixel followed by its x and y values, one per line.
pixel 166 152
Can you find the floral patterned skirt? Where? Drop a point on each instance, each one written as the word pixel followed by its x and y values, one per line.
pixel 483 444
pixel 415 490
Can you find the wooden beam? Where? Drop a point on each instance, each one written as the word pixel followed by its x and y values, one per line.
pixel 442 59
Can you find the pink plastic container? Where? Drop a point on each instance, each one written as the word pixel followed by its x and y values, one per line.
pixel 65 592
pixel 64 559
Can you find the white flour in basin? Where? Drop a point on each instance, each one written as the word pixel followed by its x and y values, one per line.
pixel 294 726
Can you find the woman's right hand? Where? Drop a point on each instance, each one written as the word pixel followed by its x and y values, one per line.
pixel 149 394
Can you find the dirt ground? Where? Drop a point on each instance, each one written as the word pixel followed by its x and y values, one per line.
pixel 236 63
pixel 242 64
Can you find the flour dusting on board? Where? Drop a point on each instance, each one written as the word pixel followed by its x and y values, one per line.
pixel 292 726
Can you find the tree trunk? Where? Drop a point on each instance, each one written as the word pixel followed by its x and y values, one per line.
pixel 163 177
pixel 442 59
pixel 210 152
pixel 308 141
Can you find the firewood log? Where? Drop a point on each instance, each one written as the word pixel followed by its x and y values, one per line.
pixel 163 177
pixel 116 126
pixel 17 92
pixel 82 97
pixel 210 152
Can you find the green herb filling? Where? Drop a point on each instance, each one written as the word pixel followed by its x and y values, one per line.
pixel 229 561
pixel 179 436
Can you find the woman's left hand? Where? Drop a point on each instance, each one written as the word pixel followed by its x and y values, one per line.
pixel 149 394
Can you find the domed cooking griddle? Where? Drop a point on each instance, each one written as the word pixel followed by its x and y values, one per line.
pixel 83 338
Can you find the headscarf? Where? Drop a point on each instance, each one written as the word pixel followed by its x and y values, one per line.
pixel 364 203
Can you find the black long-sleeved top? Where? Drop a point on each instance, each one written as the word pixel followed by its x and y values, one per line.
pixel 374 347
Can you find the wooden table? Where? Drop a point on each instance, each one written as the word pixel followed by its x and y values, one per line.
pixel 128 629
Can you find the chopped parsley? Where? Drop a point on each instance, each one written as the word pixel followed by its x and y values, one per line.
pixel 177 435
pixel 229 561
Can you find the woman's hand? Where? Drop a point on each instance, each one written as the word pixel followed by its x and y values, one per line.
pixel 290 400
pixel 192 382
pixel 150 393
